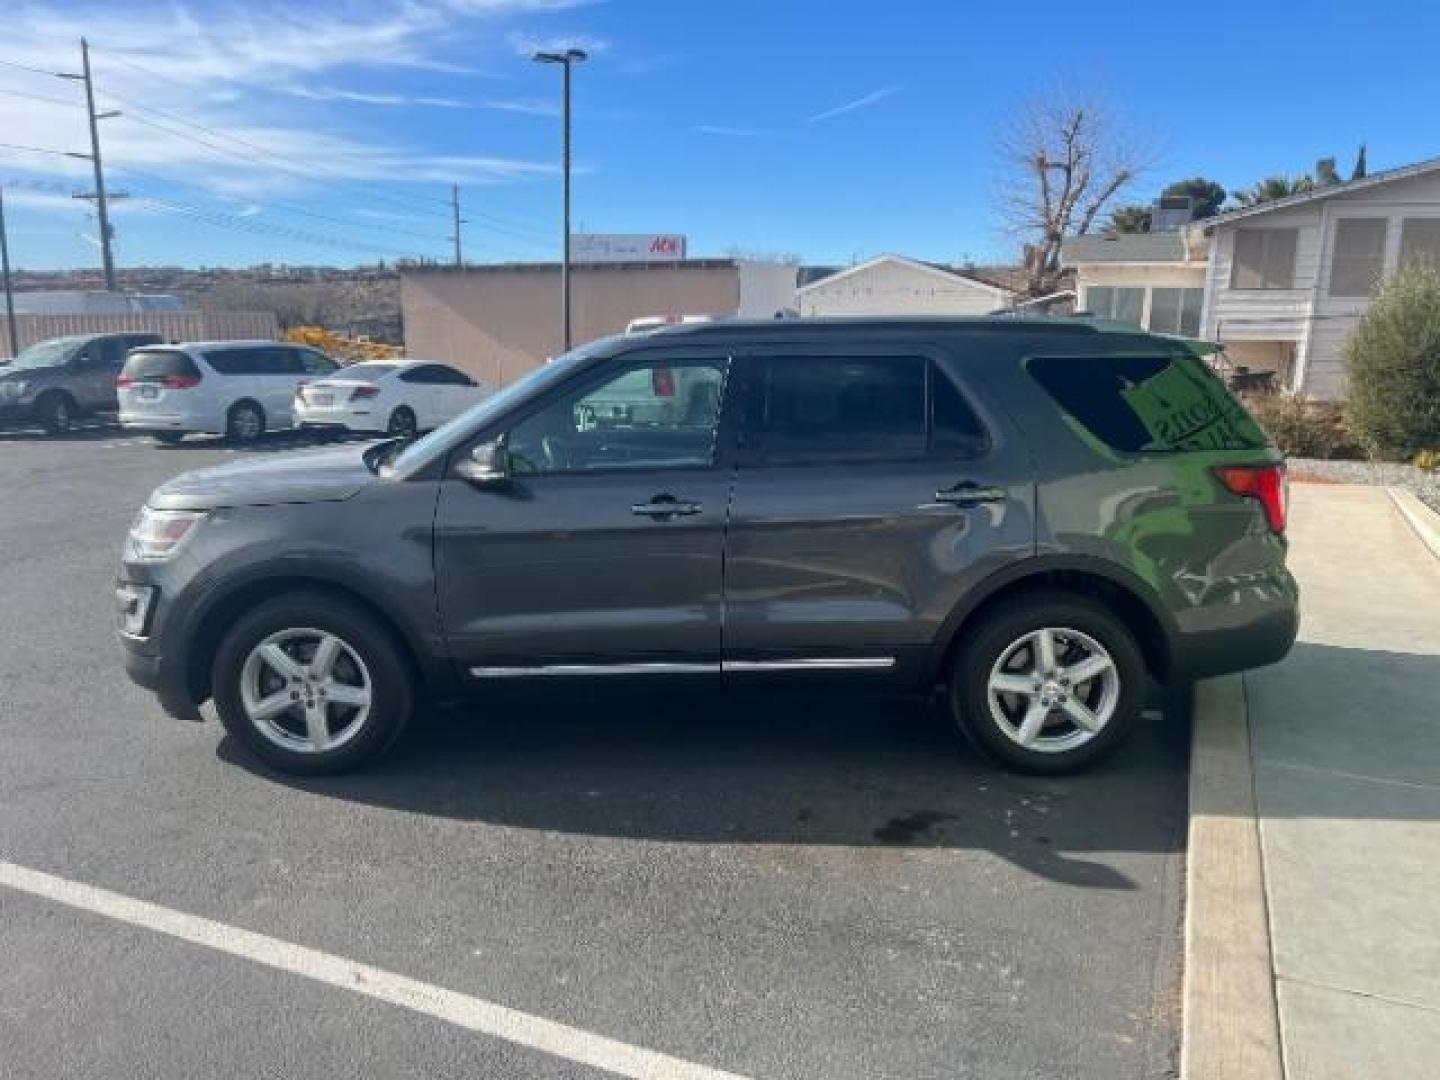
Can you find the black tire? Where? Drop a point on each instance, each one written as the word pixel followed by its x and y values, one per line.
pixel 392 691
pixel 57 413
pixel 402 423
pixel 1000 631
pixel 168 438
pixel 245 422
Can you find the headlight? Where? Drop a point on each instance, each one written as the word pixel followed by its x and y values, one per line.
pixel 157 534
pixel 13 388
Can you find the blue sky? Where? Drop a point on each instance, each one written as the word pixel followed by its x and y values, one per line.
pixel 829 130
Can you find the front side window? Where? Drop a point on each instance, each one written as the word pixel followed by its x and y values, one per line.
pixel 1359 256
pixel 1420 242
pixel 1176 311
pixel 1118 303
pixel 660 414
pixel 1264 259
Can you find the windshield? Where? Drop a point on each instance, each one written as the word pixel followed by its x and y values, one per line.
pixel 45 353
pixel 443 437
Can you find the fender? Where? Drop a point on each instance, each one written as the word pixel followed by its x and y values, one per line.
pixel 1037 567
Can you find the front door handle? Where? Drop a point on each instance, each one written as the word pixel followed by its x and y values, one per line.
pixel 661 506
pixel 970 493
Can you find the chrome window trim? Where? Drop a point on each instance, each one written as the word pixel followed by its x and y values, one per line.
pixel 824 663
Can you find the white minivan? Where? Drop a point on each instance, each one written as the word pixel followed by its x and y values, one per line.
pixel 237 388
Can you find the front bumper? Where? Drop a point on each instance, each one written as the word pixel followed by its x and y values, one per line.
pixel 17 411
pixel 153 673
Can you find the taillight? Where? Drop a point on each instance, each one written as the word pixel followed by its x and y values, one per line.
pixel 360 393
pixel 662 381
pixel 123 381
pixel 181 382
pixel 1264 483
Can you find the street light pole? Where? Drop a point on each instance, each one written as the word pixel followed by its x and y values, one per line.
pixel 567 60
pixel 5 273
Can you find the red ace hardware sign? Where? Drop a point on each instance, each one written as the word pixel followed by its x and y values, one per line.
pixel 627 247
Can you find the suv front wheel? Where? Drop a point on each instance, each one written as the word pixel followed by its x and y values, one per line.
pixel 310 683
pixel 1049 682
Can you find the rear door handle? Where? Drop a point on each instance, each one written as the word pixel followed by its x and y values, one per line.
pixel 970 494
pixel 665 506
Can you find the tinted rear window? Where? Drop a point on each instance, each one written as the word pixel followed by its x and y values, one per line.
pixel 1148 404
pixel 156 364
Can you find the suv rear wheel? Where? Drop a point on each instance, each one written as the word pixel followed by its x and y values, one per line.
pixel 1048 683
pixel 312 684
pixel 57 413
pixel 245 422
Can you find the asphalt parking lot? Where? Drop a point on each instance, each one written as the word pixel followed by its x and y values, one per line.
pixel 806 886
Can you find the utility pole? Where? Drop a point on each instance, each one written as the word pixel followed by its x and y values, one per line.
pixel 568 59
pixel 5 273
pixel 455 211
pixel 102 203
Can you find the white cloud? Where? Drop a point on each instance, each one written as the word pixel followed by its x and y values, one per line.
pixel 528 45
pixel 863 102
pixel 530 107
pixel 363 97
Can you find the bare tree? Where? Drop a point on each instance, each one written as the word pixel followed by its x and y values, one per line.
pixel 1066 160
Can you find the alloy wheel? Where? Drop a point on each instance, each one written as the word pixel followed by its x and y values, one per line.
pixel 1053 689
pixel 306 690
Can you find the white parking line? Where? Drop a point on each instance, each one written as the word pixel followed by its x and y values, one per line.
pixel 464 1011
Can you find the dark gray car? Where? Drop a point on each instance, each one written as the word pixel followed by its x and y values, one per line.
pixel 52 383
pixel 1037 517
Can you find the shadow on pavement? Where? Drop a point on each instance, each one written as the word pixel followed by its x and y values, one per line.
pixel 740 768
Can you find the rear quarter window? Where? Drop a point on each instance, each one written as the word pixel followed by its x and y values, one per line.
pixel 1148 404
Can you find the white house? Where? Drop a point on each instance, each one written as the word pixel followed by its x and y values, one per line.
pixel 1281 284
pixel 895 285
pixel 1287 280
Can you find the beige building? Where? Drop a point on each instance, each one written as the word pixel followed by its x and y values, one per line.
pixel 498 321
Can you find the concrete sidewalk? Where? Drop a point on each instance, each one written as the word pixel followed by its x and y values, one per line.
pixel 1345 749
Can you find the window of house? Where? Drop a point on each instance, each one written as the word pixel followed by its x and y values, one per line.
pixel 1420 241
pixel 1176 311
pixel 1264 259
pixel 1111 302
pixel 1359 256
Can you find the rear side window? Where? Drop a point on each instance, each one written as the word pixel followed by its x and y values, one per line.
pixel 1148 404
pixel 883 408
pixel 157 365
pixel 238 361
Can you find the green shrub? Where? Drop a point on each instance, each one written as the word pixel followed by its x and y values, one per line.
pixel 1303 428
pixel 1392 363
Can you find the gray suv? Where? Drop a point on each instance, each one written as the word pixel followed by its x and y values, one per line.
pixel 52 383
pixel 1039 518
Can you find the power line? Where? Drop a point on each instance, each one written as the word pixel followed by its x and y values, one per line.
pixel 42 150
pixel 26 67
pixel 40 97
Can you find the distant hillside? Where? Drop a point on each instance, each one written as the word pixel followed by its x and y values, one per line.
pixel 362 300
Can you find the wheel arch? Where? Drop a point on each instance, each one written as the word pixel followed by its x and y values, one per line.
pixel 207 627
pixel 1123 592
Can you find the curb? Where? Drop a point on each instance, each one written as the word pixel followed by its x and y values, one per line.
pixel 1231 1027
pixel 1418 516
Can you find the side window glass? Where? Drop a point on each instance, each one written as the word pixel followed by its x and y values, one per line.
pixel 316 363
pixel 419 376
pixel 656 415
pixel 816 409
pixel 448 376
pixel 955 430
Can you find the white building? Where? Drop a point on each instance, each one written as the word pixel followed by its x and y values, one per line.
pixel 1281 285
pixel 895 285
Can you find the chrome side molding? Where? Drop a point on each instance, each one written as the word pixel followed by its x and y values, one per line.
pixel 818 663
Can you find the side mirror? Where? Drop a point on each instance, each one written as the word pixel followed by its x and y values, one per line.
pixel 487 465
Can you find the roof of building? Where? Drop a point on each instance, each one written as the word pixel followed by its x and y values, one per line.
pixel 1163 247
pixel 1329 191
pixel 575 266
pixel 986 278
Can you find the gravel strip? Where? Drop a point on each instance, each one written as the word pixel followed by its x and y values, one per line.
pixel 1426 485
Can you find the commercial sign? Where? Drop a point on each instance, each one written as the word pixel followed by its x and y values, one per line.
pixel 626 247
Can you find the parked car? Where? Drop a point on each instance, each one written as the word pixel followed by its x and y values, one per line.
pixel 399 397
pixel 55 382
pixel 1036 517
pixel 237 388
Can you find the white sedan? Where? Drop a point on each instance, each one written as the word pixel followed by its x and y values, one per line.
pixel 399 397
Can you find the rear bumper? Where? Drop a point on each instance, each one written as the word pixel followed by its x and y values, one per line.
pixel 1264 637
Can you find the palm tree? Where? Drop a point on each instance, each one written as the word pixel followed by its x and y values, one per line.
pixel 1273 187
